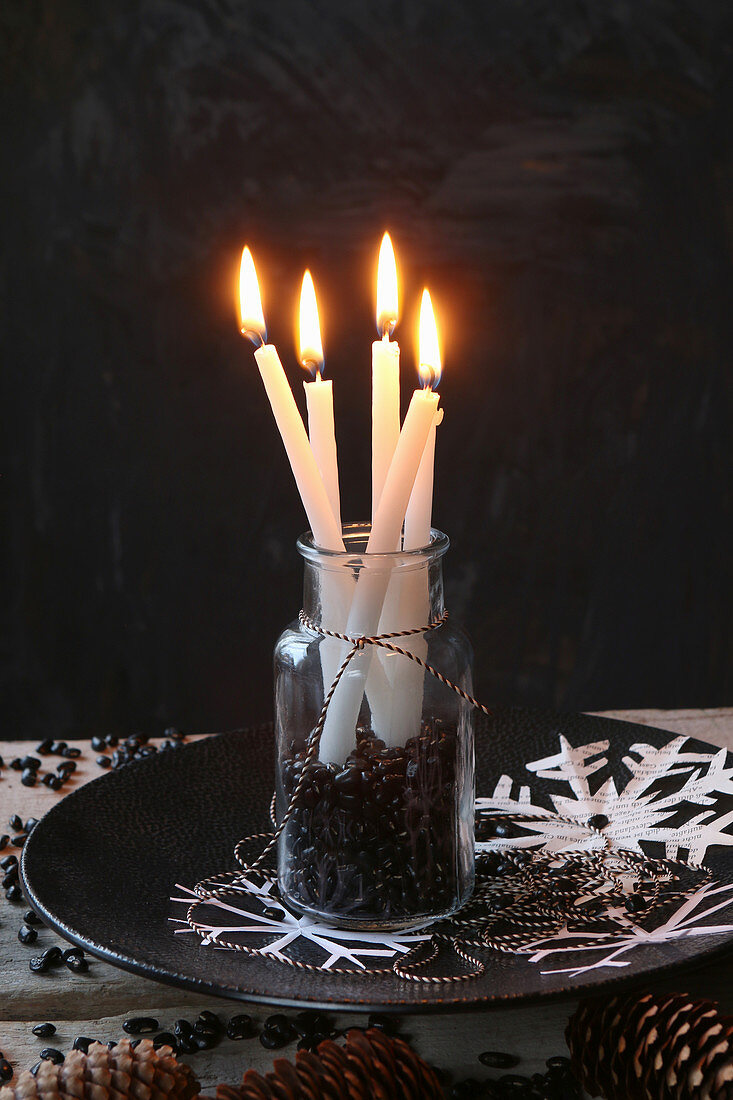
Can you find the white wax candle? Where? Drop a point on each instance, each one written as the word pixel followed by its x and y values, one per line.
pixel 343 713
pixel 322 433
pixel 323 524
pixel 418 518
pixel 385 412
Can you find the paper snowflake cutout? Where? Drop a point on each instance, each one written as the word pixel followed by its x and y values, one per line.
pixel 254 917
pixel 658 803
pixel 686 922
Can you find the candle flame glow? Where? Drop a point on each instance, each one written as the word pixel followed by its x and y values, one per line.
pixel 430 367
pixel 251 318
pixel 387 293
pixel 311 346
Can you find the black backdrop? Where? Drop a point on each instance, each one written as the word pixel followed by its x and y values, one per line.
pixel 560 173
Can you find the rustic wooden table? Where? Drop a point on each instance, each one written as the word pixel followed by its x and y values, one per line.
pixel 96 1003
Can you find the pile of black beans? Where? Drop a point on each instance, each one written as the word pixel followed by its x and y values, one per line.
pixel 556 1083
pixel 374 837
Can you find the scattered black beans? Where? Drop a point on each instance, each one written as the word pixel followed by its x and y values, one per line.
pixel 140 1025
pixel 31 824
pixel 4 838
pixel 183 1027
pixel 66 767
pixel 58 747
pixel 598 821
pixel 34 1069
pixel 2 762
pixel 514 1084
pixel 173 733
pixel 135 1043
pixel 635 903
pixel 44 1031
pixel 8 861
pixel 73 953
pixel 498 1059
pixel 27 935
pixel 6 1070
pixel 16 764
pixel 30 762
pixel 19 840
pixel 16 823
pixel 77 965
pixel 71 753
pixel 50 1054
pixel 165 1039
pixel 111 740
pixel 82 1043
pixel 99 744
pixel 28 778
pixel 558 1061
pixel 187 1044
pixel 10 876
pixel 241 1026
pixel 32 918
pixel 14 893
pixel 45 746
pixel 53 782
pixel 271 1040
pixel 52 956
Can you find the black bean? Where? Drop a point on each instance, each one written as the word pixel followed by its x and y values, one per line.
pixel 2 762
pixel 273 1040
pixel 28 778
pixel 513 1084
pixel 32 918
pixel 498 1059
pixel 27 935
pixel 165 1039
pixel 50 1054
pixel 635 903
pixel 205 1042
pixel 77 965
pixel 104 761
pixel 19 840
pixel 14 893
pixel 31 762
pixel 82 1043
pixel 187 1044
pixel 45 746
pixel 44 1031
pixel 200 1028
pixel 135 1043
pixel 241 1026
pixel 58 747
pixel 6 1070
pixel 140 1025
pixel 183 1027
pixel 73 953
pixel 16 764
pixel 558 1061
pixel 16 823
pixel 99 744
pixel 52 956
pixel 4 838
pixel 598 821
pixel 10 878
pixel 66 767
pixel 111 1044
pixel 34 1069
pixel 211 1020
pixel 8 861
pixel 72 753
pixel 388 1024
pixel 111 740
pixel 53 782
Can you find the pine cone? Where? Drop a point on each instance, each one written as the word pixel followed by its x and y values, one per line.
pixel 122 1073
pixel 368 1066
pixel 652 1047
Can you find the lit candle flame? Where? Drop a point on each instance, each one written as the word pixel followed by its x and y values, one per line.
pixel 311 346
pixel 251 318
pixel 429 358
pixel 387 294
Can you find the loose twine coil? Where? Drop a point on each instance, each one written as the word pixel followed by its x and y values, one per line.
pixel 529 922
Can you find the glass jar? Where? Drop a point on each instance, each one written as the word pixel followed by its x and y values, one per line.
pixel 381 833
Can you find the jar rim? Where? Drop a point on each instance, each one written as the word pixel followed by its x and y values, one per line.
pixel 354 533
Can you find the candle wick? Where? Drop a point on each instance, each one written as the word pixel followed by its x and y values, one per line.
pixel 253 336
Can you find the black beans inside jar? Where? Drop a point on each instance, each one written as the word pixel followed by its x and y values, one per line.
pixel 374 838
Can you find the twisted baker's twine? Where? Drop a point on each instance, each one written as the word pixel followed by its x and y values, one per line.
pixel 215 885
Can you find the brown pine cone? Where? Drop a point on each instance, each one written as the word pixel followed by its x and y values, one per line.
pixel 368 1066
pixel 652 1047
pixel 122 1073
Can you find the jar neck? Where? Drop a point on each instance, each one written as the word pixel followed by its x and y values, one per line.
pixel 356 592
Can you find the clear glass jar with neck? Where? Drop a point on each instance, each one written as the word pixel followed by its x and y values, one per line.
pixel 380 834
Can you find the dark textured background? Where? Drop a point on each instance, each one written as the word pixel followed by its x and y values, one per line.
pixel 562 176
